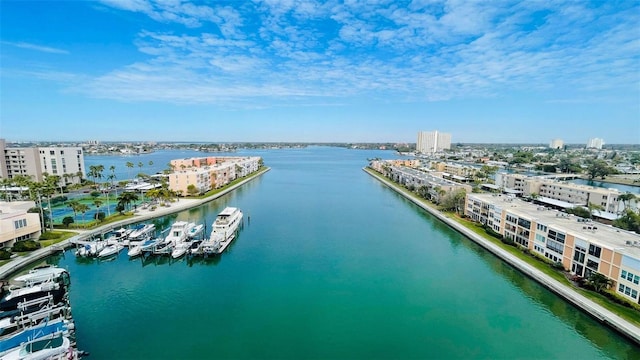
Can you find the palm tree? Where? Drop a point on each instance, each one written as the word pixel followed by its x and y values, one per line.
pixel 130 166
pixel 599 281
pixel 627 199
pixel 593 207
pixel 74 205
pixel 140 165
pixel 83 208
pixel 97 203
pixel 126 198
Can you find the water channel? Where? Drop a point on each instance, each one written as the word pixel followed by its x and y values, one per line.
pixel 331 264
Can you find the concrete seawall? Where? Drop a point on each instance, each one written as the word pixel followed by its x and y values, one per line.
pixel 598 312
pixel 22 262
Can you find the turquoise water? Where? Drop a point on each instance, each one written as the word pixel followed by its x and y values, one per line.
pixel 331 264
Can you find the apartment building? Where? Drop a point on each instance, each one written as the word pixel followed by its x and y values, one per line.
pixel 17 224
pixel 456 171
pixel 433 141
pixel 582 246
pixel 66 162
pixel 577 194
pixel 436 185
pixel 209 172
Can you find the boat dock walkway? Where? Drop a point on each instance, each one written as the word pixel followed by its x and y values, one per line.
pixel 22 262
pixel 598 312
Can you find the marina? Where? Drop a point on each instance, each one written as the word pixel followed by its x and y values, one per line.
pixel 323 278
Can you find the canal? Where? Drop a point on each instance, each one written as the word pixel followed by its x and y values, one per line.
pixel 331 264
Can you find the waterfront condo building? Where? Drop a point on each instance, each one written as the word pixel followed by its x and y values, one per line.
pixel 65 162
pixel 208 173
pixel 17 224
pixel 582 246
pixel 566 193
pixel 430 142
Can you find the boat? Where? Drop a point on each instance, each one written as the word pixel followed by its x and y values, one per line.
pixel 136 250
pixel 195 231
pixel 141 232
pixel 224 231
pixel 53 346
pixel 163 247
pixel 17 295
pixel 41 274
pixel 179 231
pixel 40 330
pixel 109 250
pixel 118 236
pixel 91 249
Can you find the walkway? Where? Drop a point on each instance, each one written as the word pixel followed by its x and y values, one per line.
pixel 598 312
pixel 141 215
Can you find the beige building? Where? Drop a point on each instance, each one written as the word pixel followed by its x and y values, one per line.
pixel 209 172
pixel 456 172
pixel 583 247
pixel 432 142
pixel 556 144
pixel 34 162
pixel 577 194
pixel 16 224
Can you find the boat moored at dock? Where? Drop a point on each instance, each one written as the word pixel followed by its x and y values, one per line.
pixel 224 231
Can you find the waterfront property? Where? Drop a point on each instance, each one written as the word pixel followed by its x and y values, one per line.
pixel 582 246
pixel 17 224
pixel 204 174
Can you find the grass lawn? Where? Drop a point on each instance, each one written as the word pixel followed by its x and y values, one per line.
pixel 62 235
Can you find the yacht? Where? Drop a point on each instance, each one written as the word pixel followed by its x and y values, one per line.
pixel 118 236
pixel 195 231
pixel 224 231
pixel 42 329
pixel 17 295
pixel 138 249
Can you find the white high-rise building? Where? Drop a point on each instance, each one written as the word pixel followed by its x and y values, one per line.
pixel 556 144
pixel 433 141
pixel 595 143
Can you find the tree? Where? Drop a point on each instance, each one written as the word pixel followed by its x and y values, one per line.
pixel 598 168
pixel 454 201
pixel 129 166
pixel 599 282
pixel 628 221
pixel 126 198
pixel 74 205
pixel 593 207
pixel 97 203
pixel 83 208
pixel 192 190
pixel 140 165
pixel 627 199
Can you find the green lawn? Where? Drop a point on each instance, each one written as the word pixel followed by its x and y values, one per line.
pixel 629 314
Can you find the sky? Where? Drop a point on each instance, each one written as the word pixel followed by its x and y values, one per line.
pixel 308 71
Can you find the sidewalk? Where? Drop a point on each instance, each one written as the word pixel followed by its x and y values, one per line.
pixel 603 315
pixel 140 215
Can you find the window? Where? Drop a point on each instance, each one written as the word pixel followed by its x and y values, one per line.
pixel 636 279
pixel 592 264
pixel 624 274
pixel 634 293
pixel 629 276
pixel 579 257
pixel 524 223
pixel 52 152
pixel 621 288
pixel 594 250
pixel 541 227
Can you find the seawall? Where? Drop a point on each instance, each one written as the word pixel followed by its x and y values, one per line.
pixel 22 262
pixel 598 312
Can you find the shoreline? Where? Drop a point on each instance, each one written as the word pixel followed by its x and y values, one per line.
pixel 22 262
pixel 596 311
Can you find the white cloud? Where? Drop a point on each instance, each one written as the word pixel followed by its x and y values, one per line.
pixel 24 45
pixel 431 50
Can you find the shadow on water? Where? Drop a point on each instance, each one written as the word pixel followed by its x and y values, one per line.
pixel 599 334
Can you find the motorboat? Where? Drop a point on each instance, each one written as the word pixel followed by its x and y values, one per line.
pixel 141 232
pixel 110 250
pixel 179 231
pixel 118 236
pixel 53 346
pixel 41 274
pixel 224 231
pixel 136 250
pixel 42 329
pixel 17 295
pixel 163 247
pixel 91 249
pixel 195 231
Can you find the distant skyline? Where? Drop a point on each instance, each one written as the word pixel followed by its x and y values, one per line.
pixel 306 71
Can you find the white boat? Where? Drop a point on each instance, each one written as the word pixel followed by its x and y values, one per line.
pixel 39 330
pixel 118 236
pixel 22 294
pixel 91 249
pixel 163 247
pixel 195 231
pixel 224 231
pixel 54 346
pixel 179 231
pixel 40 274
pixel 141 232
pixel 110 250
pixel 138 249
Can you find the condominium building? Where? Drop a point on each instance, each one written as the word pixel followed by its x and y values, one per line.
pixel 433 141
pixel 436 185
pixel 66 162
pixel 208 173
pixel 17 224
pixel 583 247
pixel 595 143
pixel 571 193
pixel 556 144
pixel 456 171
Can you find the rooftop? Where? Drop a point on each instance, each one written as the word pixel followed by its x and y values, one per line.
pixel 622 241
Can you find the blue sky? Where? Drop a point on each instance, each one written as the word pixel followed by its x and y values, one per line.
pixel 296 70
